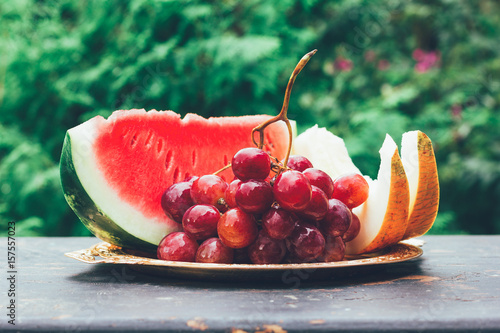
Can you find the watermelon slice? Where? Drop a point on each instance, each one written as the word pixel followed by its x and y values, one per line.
pixel 114 171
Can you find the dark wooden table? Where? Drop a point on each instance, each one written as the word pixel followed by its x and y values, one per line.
pixel 454 286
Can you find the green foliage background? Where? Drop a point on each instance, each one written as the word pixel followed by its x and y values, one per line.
pixel 65 61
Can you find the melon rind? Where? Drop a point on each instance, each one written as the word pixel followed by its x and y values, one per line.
pixel 384 215
pixel 420 166
pixel 92 216
pixel 112 220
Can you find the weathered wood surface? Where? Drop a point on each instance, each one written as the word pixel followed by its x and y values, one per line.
pixel 454 286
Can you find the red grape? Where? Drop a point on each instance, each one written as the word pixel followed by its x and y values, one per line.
pixel 241 256
pixel 176 200
pixel 338 218
pixel 177 246
pixel 254 196
pixel 229 195
pixel 317 207
pixel 320 179
pixel 353 230
pixel 352 189
pixel 292 190
pixel 251 163
pixel 208 190
pixel 237 229
pixel 201 221
pixel 306 242
pixel 278 223
pixel 213 251
pixel 266 250
pixel 334 249
pixel 299 163
pixel 190 179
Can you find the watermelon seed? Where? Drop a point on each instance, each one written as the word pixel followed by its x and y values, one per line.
pixel 176 175
pixel 133 141
pixel 149 139
pixel 193 157
pixel 159 147
pixel 226 160
pixel 168 159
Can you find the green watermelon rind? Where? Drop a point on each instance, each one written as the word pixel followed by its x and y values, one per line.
pixel 88 212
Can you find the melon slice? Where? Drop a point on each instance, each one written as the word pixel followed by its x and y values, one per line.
pixel 402 203
pixel 325 150
pixel 114 171
pixel 420 167
pixel 384 215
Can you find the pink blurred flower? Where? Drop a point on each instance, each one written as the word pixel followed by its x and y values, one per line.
pixel 383 64
pixel 342 64
pixel 418 54
pixel 422 67
pixel 432 57
pixel 425 60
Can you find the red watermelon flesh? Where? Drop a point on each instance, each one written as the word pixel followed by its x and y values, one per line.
pixel 142 156
pixel 125 163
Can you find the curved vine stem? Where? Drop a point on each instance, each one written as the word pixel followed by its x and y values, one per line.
pixel 284 109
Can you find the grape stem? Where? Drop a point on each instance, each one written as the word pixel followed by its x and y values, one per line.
pixel 281 116
pixel 222 169
pixel 284 109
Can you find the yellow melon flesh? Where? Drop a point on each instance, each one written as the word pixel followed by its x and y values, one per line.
pixel 420 166
pixel 384 216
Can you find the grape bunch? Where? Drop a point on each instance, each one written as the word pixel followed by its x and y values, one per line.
pixel 271 213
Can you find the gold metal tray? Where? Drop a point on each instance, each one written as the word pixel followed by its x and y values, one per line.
pixel 105 253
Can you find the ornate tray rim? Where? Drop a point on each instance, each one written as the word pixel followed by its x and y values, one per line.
pixel 105 253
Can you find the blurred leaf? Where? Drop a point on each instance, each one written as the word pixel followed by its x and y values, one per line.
pixel 63 62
